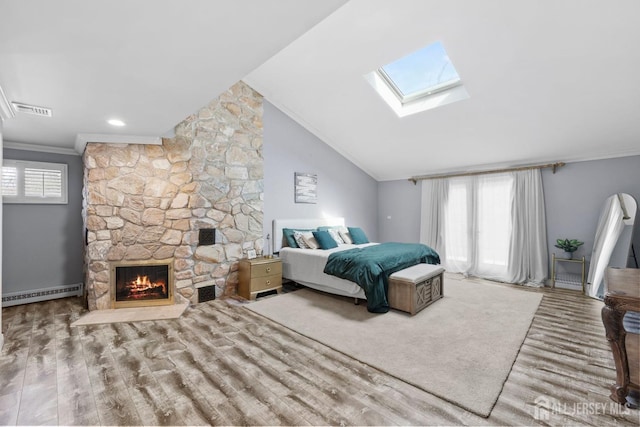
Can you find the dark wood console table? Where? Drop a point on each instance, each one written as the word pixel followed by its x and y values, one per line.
pixel 623 295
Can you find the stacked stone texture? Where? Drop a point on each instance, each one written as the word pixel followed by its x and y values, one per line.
pixel 147 202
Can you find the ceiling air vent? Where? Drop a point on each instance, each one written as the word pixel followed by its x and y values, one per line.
pixel 32 109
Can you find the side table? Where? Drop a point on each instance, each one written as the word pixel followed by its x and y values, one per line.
pixel 568 278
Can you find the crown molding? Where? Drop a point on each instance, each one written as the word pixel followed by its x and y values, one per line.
pixel 82 139
pixel 605 156
pixel 39 148
pixel 6 111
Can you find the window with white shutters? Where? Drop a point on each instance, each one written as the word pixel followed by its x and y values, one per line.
pixel 34 182
pixel 9 181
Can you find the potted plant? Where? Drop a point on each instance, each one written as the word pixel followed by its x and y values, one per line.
pixel 569 246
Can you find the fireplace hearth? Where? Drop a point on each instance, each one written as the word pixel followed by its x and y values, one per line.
pixel 141 283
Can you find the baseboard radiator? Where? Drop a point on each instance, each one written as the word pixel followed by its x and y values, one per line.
pixel 35 295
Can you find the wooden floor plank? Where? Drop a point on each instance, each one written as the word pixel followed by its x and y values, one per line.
pixel 9 406
pixel 111 393
pixel 39 404
pixel 212 355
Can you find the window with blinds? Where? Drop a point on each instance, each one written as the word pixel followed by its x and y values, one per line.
pixel 34 182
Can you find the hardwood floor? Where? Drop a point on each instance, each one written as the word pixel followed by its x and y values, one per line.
pixel 224 365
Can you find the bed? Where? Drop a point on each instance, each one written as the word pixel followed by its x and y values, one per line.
pixel 307 266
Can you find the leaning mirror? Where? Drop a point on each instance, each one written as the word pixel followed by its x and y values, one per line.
pixel 612 243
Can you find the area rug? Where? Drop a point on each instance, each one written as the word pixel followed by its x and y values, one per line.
pixel 138 314
pixel 460 348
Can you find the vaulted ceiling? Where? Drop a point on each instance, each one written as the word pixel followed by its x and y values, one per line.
pixel 549 80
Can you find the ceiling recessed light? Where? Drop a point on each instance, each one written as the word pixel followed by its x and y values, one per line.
pixel 115 122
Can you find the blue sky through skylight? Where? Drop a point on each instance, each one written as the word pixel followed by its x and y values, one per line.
pixel 421 71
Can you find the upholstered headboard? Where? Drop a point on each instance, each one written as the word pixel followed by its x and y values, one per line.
pixel 279 224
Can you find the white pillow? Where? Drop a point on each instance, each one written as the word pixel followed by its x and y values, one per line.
pixel 305 240
pixel 346 237
pixel 335 234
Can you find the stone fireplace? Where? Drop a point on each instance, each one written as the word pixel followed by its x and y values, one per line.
pixel 151 202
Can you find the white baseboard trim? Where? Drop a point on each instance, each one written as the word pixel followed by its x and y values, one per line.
pixel 44 294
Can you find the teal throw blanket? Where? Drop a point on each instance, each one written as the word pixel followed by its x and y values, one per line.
pixel 371 266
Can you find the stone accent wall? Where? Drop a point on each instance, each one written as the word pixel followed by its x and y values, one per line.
pixel 144 202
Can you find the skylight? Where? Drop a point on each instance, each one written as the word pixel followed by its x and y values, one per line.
pixel 421 73
pixel 420 81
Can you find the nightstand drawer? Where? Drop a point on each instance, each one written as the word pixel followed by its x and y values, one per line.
pixel 266 282
pixel 266 269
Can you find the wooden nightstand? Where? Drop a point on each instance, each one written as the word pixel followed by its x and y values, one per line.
pixel 259 275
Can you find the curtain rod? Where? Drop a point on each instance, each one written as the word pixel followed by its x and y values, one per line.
pixel 554 166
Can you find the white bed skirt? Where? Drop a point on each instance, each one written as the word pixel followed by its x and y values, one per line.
pixel 305 266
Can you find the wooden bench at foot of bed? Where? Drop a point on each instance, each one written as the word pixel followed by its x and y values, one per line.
pixel 414 288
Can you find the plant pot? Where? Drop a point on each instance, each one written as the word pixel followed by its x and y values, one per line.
pixel 568 255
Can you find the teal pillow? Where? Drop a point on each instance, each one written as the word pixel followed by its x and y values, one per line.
pixel 334 231
pixel 357 235
pixel 288 235
pixel 325 240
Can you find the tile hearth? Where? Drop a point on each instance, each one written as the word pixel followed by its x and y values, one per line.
pixel 132 314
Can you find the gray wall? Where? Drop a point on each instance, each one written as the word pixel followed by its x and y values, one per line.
pixel 1 210
pixel 43 243
pixel 574 197
pixel 399 211
pixel 344 190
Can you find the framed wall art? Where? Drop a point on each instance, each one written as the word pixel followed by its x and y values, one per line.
pixel 306 187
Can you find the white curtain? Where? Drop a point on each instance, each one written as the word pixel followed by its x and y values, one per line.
pixel 528 253
pixel 434 199
pixel 491 226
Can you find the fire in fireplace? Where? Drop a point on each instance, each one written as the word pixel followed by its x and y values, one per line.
pixel 141 283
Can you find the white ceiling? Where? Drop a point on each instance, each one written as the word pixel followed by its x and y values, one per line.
pixel 549 80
